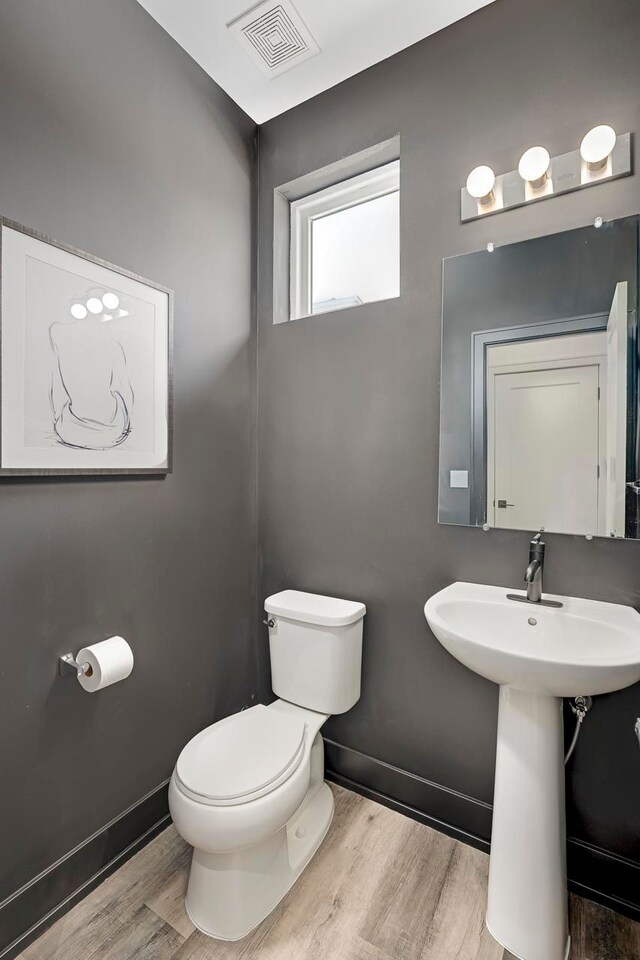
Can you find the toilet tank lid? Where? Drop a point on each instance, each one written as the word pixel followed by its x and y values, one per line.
pixel 314 608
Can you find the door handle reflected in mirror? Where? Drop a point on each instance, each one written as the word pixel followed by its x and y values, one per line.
pixel 503 503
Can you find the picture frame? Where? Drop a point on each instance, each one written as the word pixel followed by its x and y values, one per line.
pixel 86 357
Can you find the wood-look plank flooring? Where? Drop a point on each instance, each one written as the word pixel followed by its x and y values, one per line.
pixel 381 887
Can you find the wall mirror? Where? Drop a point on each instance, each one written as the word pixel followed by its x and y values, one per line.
pixel 539 400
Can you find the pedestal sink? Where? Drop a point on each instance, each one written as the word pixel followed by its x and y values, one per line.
pixel 538 655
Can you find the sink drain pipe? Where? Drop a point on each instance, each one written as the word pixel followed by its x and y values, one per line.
pixel 581 707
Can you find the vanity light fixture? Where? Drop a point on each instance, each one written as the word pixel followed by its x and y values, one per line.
pixel 603 155
pixel 480 184
pixel 597 146
pixel 98 306
pixel 534 166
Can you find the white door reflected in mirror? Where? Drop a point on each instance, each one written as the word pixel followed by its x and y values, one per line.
pixel 616 413
pixel 556 430
pixel 544 429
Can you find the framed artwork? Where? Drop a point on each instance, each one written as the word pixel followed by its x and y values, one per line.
pixel 86 347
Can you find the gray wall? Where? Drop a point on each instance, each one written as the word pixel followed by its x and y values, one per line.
pixel 113 140
pixel 349 402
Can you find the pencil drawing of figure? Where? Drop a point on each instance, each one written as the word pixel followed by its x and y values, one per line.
pixel 91 394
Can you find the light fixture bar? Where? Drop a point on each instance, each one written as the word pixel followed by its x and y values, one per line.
pixel 566 172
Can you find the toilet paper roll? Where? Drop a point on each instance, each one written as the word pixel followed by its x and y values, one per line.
pixel 109 661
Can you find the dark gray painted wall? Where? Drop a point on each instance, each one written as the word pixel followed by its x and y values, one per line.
pixel 349 402
pixel 563 276
pixel 114 141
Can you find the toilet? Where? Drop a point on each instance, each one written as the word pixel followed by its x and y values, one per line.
pixel 248 792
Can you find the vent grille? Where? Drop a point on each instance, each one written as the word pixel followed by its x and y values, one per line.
pixel 275 36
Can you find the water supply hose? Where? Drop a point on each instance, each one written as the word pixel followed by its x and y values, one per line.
pixel 580 706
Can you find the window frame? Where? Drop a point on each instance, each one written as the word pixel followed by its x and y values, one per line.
pixel 371 185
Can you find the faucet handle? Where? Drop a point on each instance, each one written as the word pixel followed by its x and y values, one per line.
pixel 537 547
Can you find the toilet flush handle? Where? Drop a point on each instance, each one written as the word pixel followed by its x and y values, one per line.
pixel 270 622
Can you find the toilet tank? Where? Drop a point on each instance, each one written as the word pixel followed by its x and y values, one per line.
pixel 316 650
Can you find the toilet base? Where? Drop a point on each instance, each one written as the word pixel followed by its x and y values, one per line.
pixel 231 893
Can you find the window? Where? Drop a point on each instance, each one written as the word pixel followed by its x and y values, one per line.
pixel 345 243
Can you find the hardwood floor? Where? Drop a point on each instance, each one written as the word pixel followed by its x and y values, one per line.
pixel 381 887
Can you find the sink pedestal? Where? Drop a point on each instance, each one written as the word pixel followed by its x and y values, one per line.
pixel 527 911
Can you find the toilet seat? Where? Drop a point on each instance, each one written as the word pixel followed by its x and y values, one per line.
pixel 242 757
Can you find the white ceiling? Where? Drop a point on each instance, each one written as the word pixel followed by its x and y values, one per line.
pixel 352 34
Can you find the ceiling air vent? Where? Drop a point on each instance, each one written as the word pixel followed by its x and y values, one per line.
pixel 275 36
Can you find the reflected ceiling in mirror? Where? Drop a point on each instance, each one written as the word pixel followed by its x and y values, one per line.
pixel 539 400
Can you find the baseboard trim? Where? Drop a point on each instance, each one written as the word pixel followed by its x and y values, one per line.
pixel 446 810
pixel 595 874
pixel 604 877
pixel 27 913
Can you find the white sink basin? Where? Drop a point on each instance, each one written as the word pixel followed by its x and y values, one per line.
pixel 537 654
pixel 584 647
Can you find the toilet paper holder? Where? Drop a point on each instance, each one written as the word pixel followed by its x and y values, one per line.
pixel 68 666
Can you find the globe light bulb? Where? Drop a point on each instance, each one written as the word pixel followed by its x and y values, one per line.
pixel 94 305
pixel 79 311
pixel 111 301
pixel 533 166
pixel 480 184
pixel 597 145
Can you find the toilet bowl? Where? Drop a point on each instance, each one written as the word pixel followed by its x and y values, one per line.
pixel 248 792
pixel 248 846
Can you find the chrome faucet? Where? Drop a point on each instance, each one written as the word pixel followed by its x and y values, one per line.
pixel 533 576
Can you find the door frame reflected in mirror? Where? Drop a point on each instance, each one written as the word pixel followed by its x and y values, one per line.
pixel 480 343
